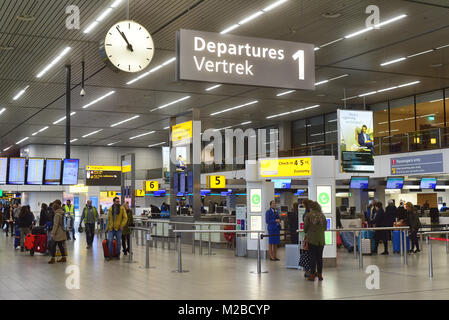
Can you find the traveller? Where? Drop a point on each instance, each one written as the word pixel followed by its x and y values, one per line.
pixel 126 230
pixel 117 219
pixel 43 216
pixel 306 255
pixel 315 225
pixel 164 207
pixel 371 213
pixel 426 205
pixel 414 224
pixel 90 217
pixel 69 209
pixel 443 208
pixel 382 220
pixel 274 227
pixel 58 235
pixel 8 220
pixel 24 222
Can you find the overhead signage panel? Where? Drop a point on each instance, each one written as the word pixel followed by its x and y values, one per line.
pixel 216 182
pixel 182 133
pixel 292 167
pixel 103 175
pixel 225 58
pixel 427 163
pixel 151 186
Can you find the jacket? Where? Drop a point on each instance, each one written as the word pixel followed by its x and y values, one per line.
pixel 270 218
pixel 84 215
pixel 57 232
pixel 70 209
pixel 26 222
pixel 129 223
pixel 413 220
pixel 314 226
pixel 120 220
pixel 391 213
pixel 382 220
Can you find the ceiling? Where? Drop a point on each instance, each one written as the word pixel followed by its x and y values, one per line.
pixel 36 43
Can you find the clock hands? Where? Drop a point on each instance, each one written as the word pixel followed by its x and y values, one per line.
pixel 130 47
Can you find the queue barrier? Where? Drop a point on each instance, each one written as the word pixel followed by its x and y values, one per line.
pixel 429 242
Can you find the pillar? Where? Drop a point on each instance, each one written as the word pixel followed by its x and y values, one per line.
pixel 361 199
pixel 196 163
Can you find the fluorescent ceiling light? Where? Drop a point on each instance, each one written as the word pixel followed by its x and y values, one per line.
pixel 344 99
pixel 420 53
pixel 245 123
pixel 6 149
pixel 21 92
pixel 99 99
pixel 55 61
pixel 3 110
pixel 284 93
pixel 367 94
pixel 102 16
pixel 408 84
pixel 73 140
pixel 171 103
pixel 24 139
pixel 402 16
pixel 112 143
pixel 92 133
pixel 321 82
pixel 141 135
pixel 236 107
pixel 386 89
pixel 294 111
pixel 156 144
pixel 359 32
pixel 445 46
pixel 332 42
pixel 166 128
pixel 253 16
pixel 41 130
pixel 316 49
pixel 228 127
pixel 339 77
pixel 121 122
pixel 274 5
pixel 143 75
pixel 392 61
pixel 213 87
pixel 63 118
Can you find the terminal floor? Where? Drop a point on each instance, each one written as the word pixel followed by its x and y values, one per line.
pixel 220 276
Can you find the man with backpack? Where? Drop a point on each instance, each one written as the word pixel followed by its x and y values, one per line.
pixel 90 216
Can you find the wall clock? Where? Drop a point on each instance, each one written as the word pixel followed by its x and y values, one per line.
pixel 128 46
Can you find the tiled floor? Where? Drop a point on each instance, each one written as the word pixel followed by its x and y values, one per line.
pixel 221 276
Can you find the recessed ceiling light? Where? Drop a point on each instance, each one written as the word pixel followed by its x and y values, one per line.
pixel 141 135
pixel 329 15
pixel 436 65
pixel 26 17
pixel 92 133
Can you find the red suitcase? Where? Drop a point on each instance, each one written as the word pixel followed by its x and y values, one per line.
pixel 29 241
pixel 40 244
pixel 106 248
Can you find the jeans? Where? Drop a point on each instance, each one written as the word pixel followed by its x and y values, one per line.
pixel 90 233
pixel 414 239
pixel 52 248
pixel 125 242
pixel 118 237
pixel 23 233
pixel 317 258
pixel 72 225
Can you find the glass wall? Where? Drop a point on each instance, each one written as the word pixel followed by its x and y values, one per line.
pixel 429 110
pixel 315 130
pixel 299 133
pixel 330 122
pixel 402 116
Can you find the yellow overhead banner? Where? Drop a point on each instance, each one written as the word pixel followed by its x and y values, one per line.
pixel 140 193
pixel 216 182
pixel 294 167
pixel 182 131
pixel 112 194
pixel 103 168
pixel 151 185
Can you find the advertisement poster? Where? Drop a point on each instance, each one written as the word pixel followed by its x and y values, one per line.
pixel 256 200
pixel 324 197
pixel 356 141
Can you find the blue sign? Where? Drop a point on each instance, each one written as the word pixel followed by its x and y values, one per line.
pixel 419 164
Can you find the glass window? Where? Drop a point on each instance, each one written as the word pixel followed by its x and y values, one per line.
pixel 299 133
pixel 315 130
pixel 331 128
pixel 429 110
pixel 402 116
pixel 380 118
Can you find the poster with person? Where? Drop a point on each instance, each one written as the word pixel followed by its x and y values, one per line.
pixel 356 141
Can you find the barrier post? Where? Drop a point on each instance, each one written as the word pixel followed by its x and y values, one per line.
pixel 151 242
pixel 163 235
pixel 193 240
pixel 405 247
pixel 258 253
pixel 210 248
pixel 154 238
pixel 147 250
pixel 447 243
pixel 360 251
pixel 130 249
pixel 201 242
pixel 401 242
pixel 178 240
pixel 430 258
pixel 355 246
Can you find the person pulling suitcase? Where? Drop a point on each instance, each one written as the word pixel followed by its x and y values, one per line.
pixel 117 219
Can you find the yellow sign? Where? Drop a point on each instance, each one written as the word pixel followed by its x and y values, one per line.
pixel 286 167
pixel 112 194
pixel 140 193
pixel 103 168
pixel 182 131
pixel 126 169
pixel 216 182
pixel 151 186
pixel 79 188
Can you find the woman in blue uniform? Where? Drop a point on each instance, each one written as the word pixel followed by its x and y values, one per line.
pixel 273 225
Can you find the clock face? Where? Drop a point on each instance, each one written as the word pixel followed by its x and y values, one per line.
pixel 129 46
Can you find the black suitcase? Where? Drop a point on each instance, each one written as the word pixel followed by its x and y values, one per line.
pixel 38 230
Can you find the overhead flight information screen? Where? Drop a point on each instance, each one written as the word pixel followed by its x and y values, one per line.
pixel 17 170
pixel 70 172
pixel 3 170
pixel 35 171
pixel 53 171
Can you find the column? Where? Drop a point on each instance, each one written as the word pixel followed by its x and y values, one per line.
pixel 196 163
pixel 172 172
pixel 361 199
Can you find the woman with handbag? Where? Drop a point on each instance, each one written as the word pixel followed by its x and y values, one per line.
pixel 315 225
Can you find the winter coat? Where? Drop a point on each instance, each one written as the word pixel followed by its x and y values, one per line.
pixel 58 233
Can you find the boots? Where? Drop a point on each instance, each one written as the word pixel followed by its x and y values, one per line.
pixel 52 261
pixel 320 276
pixel 311 277
pixel 63 259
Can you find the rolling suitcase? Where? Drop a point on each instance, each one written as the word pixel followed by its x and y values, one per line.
pixel 38 230
pixel 17 238
pixel 29 241
pixel 369 234
pixel 397 242
pixel 347 238
pixel 366 246
pixel 40 244
pixel 106 248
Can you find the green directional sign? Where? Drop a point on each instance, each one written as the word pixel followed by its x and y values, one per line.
pixel 256 200
pixel 324 198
